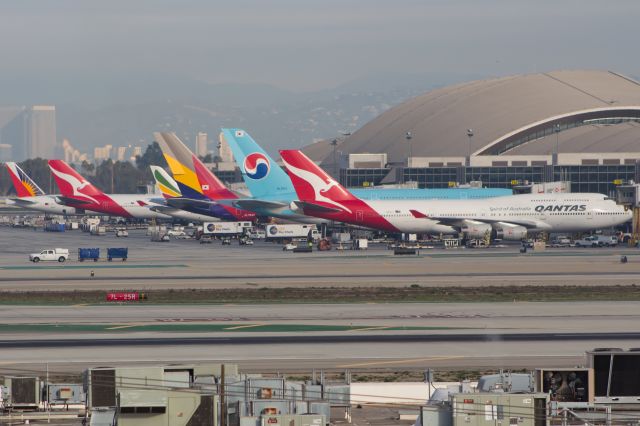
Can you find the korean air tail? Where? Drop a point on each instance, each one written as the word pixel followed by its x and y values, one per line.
pixel 23 184
pixel 165 183
pixel 261 174
pixel 72 185
pixel 315 188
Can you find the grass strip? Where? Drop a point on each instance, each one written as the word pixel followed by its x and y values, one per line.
pixel 373 294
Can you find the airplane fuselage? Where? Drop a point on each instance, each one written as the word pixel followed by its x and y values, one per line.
pixel 544 212
pixel 131 206
pixel 46 204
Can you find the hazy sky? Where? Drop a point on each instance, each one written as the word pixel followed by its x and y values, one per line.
pixel 308 45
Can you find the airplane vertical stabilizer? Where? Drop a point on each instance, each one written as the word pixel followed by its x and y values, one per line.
pixel 23 184
pixel 260 172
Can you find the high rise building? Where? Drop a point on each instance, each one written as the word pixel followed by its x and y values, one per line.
pixel 201 144
pixel 71 154
pixel 13 131
pixel 5 152
pixel 41 131
pixel 102 153
pixel 121 153
pixel 224 152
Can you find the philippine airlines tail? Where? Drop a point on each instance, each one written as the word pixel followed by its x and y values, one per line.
pixel 315 188
pixel 23 184
pixel 73 186
pixel 165 183
pixel 261 174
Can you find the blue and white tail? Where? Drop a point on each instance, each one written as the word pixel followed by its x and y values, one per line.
pixel 262 175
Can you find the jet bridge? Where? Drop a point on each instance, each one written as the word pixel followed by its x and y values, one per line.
pixel 628 195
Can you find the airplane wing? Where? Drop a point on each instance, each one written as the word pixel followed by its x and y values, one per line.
pixel 251 204
pixel 181 202
pixel 317 207
pixel 457 221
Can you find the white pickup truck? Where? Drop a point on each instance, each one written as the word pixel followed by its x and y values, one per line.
pixel 597 241
pixel 51 255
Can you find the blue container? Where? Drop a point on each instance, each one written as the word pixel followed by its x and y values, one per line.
pixel 88 254
pixel 117 253
pixel 54 227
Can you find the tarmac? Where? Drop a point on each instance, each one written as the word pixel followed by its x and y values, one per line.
pixel 299 337
pixel 187 264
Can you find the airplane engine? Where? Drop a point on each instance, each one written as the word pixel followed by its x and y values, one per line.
pixel 476 230
pixel 510 232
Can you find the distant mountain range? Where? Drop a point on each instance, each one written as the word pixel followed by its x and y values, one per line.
pixel 94 110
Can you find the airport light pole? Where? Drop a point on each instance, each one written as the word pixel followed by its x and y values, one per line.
pixel 555 157
pixel 408 136
pixel 470 136
pixel 334 144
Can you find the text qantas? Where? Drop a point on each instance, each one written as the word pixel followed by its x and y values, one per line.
pixel 561 208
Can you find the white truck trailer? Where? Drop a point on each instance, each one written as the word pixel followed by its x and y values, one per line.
pixel 219 229
pixel 291 231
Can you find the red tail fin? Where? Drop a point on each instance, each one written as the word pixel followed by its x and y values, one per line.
pixel 312 184
pixel 24 186
pixel 72 184
pixel 211 186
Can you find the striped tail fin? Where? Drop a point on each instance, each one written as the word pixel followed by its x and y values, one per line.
pixel 165 183
pixel 23 184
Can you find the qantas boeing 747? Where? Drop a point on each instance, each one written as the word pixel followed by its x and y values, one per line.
pixel 509 217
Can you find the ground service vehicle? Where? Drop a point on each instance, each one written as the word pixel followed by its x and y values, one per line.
pixel 590 241
pixel 117 253
pixel 561 241
pixel 607 240
pixel 598 241
pixel 88 254
pixel 50 255
pixel 291 230
pixel 226 228
pixel 206 239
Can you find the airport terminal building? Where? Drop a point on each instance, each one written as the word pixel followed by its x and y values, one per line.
pixel 577 126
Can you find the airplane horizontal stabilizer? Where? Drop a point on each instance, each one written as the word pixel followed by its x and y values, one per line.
pixel 22 201
pixel 248 204
pixel 181 202
pixel 305 205
pixel 70 200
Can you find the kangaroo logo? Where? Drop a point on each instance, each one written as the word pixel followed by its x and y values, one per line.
pixel 76 184
pixel 319 185
pixel 256 165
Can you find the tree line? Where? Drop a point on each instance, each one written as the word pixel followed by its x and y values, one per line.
pixel 117 177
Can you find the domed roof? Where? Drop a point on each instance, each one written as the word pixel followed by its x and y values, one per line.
pixel 510 115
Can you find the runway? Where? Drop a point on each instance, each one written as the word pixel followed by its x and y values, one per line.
pixel 455 335
pixel 397 338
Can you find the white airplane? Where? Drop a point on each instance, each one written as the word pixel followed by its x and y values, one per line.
pixel 31 196
pixel 509 218
pixel 79 193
